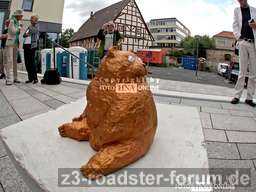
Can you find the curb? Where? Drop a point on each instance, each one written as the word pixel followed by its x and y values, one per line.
pixel 163 93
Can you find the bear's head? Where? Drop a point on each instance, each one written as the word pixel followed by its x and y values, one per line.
pixel 122 64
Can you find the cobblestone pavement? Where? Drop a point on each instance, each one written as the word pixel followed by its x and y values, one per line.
pixel 230 131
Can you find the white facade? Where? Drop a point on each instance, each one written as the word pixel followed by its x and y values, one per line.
pixel 168 32
pixel 134 29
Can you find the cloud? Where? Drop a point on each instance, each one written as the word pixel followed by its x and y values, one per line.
pixel 200 16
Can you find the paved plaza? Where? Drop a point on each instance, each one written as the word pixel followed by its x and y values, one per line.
pixel 185 75
pixel 230 131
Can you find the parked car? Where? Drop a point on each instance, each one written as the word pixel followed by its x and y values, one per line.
pixel 234 73
pixel 223 69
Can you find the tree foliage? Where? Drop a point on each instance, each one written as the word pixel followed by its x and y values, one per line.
pixel 66 36
pixel 190 44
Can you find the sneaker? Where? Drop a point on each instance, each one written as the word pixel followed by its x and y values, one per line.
pixel 235 101
pixel 250 103
pixel 2 76
pixel 16 81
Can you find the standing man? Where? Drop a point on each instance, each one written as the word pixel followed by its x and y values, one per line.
pixel 107 37
pixel 12 45
pixel 244 28
pixel 3 38
pixel 30 45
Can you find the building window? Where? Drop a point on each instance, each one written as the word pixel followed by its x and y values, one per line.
pixel 27 5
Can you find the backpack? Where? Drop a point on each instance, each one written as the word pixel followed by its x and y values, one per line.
pixel 51 77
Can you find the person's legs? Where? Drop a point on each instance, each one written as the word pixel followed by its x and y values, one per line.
pixel 15 69
pixel 252 73
pixel 27 56
pixel 9 65
pixel 33 65
pixel 1 62
pixel 243 63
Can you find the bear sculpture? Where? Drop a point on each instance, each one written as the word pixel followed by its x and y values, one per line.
pixel 120 119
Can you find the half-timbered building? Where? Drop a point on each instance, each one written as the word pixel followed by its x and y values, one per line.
pixel 128 20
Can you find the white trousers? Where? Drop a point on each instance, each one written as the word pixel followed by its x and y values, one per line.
pixel 11 64
pixel 247 53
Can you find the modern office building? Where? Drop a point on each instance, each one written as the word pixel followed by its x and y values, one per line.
pixel 128 19
pixel 168 32
pixel 50 14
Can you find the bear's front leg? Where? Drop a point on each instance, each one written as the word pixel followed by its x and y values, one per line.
pixel 113 158
pixel 77 130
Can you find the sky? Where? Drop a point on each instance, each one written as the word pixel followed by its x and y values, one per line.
pixel 202 17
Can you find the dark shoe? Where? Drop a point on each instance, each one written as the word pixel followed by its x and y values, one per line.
pixel 8 83
pixel 2 76
pixel 16 81
pixel 250 102
pixel 35 82
pixel 235 101
pixel 28 81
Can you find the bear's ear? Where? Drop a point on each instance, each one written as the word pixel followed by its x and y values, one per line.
pixel 111 51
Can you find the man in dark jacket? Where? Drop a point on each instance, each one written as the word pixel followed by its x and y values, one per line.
pixel 30 45
pixel 108 37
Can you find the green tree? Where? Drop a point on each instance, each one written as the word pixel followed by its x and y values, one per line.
pixel 66 36
pixel 203 42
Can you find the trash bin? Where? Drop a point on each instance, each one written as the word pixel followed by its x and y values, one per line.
pixel 46 55
pixel 78 67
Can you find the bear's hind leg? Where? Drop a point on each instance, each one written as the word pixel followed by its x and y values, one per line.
pixel 77 130
pixel 113 158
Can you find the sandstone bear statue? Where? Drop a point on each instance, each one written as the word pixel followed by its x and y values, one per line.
pixel 120 122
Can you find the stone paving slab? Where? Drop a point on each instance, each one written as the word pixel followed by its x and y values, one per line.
pixel 216 163
pixel 241 137
pixel 28 106
pixel 242 113
pixel 42 97
pixel 5 109
pixel 14 93
pixel 65 90
pixel 238 107
pixel 167 100
pixel 65 99
pixel 215 135
pixel 247 151
pixel 79 95
pixel 222 151
pixel 2 149
pixel 215 111
pixel 206 120
pixel 202 103
pixel 10 178
pixel 44 91
pixel 9 120
pixel 54 104
pixel 228 122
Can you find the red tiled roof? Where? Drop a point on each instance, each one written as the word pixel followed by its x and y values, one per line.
pixel 225 34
